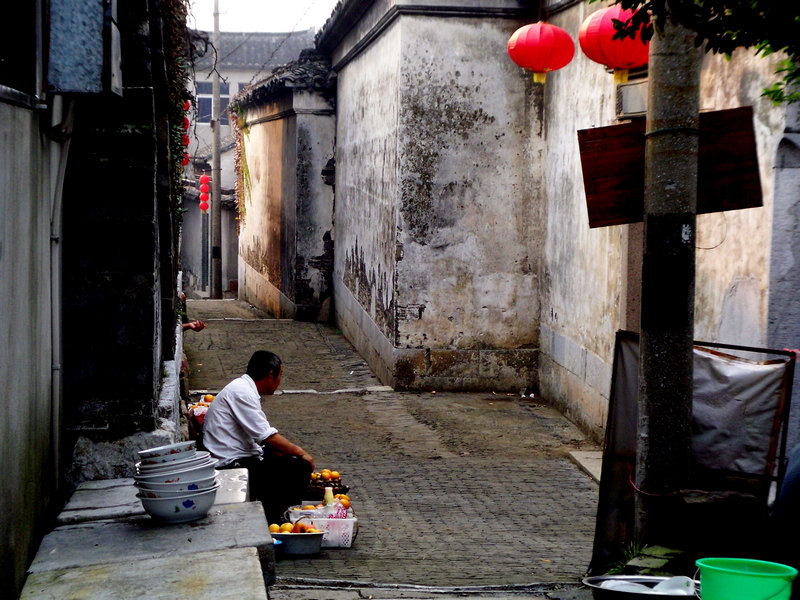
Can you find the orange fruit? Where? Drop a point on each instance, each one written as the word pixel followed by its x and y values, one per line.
pixel 286 528
pixel 208 397
pixel 345 502
pixel 274 528
pixel 334 474
pixel 326 475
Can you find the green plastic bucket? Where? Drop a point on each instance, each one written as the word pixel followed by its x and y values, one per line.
pixel 744 579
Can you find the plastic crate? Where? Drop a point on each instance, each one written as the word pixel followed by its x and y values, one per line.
pixel 337 533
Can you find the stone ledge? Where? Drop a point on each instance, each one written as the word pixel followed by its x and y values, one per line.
pixel 143 538
pixel 230 574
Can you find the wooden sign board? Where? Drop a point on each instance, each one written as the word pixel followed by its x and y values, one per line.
pixel 612 159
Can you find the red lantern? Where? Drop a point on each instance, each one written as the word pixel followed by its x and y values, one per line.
pixel 185 139
pixel 186 122
pixel 597 41
pixel 204 178
pixel 541 47
pixel 185 160
pixel 186 105
pixel 204 207
pixel 204 188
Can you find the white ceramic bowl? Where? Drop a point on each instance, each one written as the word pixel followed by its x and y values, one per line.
pixel 180 509
pixel 181 486
pixel 162 451
pixel 193 489
pixel 168 458
pixel 175 465
pixel 146 493
pixel 192 474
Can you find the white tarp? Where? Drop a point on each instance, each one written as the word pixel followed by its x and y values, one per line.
pixel 737 405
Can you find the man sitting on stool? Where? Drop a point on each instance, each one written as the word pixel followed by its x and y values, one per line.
pixel 237 433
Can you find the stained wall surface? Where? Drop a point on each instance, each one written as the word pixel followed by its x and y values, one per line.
pixel 464 254
pixel 436 232
pixel 592 275
pixel 286 228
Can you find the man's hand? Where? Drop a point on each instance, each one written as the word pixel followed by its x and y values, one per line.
pixel 194 326
pixel 280 445
pixel 306 456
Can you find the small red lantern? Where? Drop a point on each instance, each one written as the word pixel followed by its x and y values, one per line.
pixel 186 105
pixel 186 122
pixel 597 41
pixel 541 47
pixel 185 139
pixel 185 160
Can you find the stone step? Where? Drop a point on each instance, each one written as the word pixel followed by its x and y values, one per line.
pixel 231 574
pixel 91 543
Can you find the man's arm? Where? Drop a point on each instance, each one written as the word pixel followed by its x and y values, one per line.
pixel 281 445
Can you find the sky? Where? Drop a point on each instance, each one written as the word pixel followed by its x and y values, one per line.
pixel 261 15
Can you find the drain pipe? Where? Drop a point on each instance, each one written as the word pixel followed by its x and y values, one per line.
pixel 60 116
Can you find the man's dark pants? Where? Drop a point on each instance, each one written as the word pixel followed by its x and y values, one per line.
pixel 277 481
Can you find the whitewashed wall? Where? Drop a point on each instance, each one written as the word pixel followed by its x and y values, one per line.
pixel 587 293
pixel 437 230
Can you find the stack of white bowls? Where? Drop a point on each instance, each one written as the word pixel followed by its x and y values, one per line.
pixel 176 483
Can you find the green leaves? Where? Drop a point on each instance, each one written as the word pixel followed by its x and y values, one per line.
pixel 769 26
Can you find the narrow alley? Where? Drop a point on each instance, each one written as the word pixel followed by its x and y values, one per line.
pixel 451 489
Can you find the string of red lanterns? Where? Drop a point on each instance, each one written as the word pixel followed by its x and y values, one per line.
pixel 541 47
pixel 204 196
pixel 185 137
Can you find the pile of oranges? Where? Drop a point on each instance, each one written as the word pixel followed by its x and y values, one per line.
pixel 298 527
pixel 326 475
pixel 205 401
pixel 325 478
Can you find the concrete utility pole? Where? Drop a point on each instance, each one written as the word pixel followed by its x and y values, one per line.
pixel 668 271
pixel 216 172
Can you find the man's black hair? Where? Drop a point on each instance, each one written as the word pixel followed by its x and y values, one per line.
pixel 262 363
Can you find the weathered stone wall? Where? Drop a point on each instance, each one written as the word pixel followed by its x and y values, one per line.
pixel 591 276
pixel 366 195
pixel 262 228
pixel 583 270
pixel 783 328
pixel 112 287
pixel 313 268
pixel 466 210
pixel 286 235
pixel 31 400
pixel 436 224
pixel 464 255
pixel 733 248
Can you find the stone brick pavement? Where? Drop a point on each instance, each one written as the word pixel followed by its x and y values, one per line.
pixel 451 489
